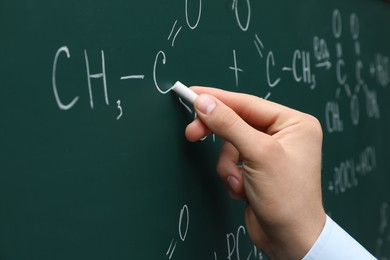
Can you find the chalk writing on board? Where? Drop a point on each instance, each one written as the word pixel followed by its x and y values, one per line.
pixel 164 60
pixel 271 60
pixel 60 104
pixel 333 120
pixel 172 37
pixel 243 26
pixel 133 77
pixel 174 34
pixel 321 53
pixel 101 75
pixel 187 107
pixel 347 174
pixel 235 67
pixel 184 221
pixel 351 92
pixel 233 247
pixel 120 110
pixel 259 48
pixel 259 45
pixel 301 69
pixel 301 59
pixel 380 69
pixel 199 15
pixel 372 106
pixel 382 251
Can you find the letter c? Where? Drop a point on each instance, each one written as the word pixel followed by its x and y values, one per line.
pixel 164 60
pixel 61 105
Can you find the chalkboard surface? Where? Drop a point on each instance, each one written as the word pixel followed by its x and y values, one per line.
pixel 93 159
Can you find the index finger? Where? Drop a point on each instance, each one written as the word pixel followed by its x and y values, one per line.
pixel 267 116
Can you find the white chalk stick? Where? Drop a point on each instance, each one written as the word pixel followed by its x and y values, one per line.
pixel 184 92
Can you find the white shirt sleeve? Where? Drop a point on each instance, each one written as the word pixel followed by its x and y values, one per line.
pixel 334 243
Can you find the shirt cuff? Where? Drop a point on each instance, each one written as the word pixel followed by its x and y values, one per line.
pixel 334 243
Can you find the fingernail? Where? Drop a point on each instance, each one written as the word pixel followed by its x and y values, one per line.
pixel 234 184
pixel 206 104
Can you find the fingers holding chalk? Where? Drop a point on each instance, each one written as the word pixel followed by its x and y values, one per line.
pixel 195 130
pixel 184 92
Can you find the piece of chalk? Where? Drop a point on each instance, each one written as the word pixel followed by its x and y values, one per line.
pixel 184 92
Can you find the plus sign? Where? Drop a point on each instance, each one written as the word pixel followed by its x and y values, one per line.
pixel 235 68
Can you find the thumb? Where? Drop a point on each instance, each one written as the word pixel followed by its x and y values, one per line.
pixel 227 124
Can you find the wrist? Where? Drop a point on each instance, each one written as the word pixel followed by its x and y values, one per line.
pixel 296 241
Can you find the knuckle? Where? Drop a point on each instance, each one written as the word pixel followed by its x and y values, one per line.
pixel 314 126
pixel 270 146
pixel 264 150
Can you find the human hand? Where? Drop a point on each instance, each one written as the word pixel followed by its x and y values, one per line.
pixel 280 177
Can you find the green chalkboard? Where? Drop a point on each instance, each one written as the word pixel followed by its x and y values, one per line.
pixel 93 159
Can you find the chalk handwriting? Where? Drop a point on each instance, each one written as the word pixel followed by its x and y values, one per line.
pixel 259 45
pixel 301 59
pixel 184 221
pixel 248 17
pixel 333 120
pixel 304 68
pixel 133 77
pixel 199 15
pixel 90 76
pixel 235 68
pixel 271 61
pixel 383 241
pixel 380 69
pixel 54 80
pixel 372 106
pixel 233 247
pixel 164 60
pixel 120 110
pixel 174 34
pixel 101 75
pixel 347 174
pixel 337 26
pixel 321 53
